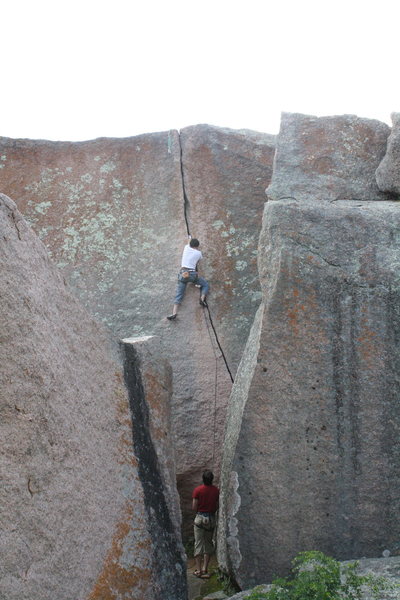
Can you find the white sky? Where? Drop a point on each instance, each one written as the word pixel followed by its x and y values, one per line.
pixel 76 70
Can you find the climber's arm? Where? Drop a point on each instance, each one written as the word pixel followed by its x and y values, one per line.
pixel 195 504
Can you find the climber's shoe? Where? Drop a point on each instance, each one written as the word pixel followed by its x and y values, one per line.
pixel 197 573
pixel 202 302
pixel 171 317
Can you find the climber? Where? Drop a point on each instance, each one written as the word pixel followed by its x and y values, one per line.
pixel 205 499
pixel 189 274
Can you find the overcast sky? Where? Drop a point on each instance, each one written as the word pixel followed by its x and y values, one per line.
pixel 76 70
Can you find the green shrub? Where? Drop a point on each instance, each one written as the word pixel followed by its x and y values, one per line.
pixel 316 576
pixel 228 586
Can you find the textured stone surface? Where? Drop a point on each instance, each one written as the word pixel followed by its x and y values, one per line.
pixel 202 387
pixel 108 210
pixel 112 214
pixel 225 175
pixel 74 511
pixel 388 172
pixel 223 171
pixel 149 381
pixel 245 593
pixel 328 158
pixel 311 455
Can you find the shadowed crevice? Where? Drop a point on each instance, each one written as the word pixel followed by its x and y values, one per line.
pixel 185 198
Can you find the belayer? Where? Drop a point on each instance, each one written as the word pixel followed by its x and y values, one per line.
pixel 205 502
pixel 189 274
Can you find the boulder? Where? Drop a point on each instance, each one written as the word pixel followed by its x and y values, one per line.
pixel 75 509
pixel 328 158
pixel 225 173
pixel 387 173
pixel 311 454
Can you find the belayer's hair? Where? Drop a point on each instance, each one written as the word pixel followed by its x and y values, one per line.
pixel 194 243
pixel 208 477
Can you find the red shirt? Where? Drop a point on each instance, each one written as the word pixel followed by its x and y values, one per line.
pixel 207 495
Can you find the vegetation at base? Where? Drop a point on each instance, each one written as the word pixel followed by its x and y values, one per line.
pixel 316 576
pixel 228 586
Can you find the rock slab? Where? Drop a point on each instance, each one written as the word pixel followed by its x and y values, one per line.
pixel 108 210
pixel 225 173
pixel 325 159
pixel 149 381
pixel 74 514
pixel 311 458
pixel 312 435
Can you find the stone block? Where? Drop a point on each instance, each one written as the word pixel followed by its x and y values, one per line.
pixel 327 159
pixel 311 458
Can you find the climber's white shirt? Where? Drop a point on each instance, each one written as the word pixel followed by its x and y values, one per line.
pixel 190 257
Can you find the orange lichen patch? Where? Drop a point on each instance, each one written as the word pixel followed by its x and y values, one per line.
pixel 117 582
pixel 368 343
pixel 122 409
pixel 124 420
pixel 301 311
pixel 126 455
pixel 119 377
pixel 294 313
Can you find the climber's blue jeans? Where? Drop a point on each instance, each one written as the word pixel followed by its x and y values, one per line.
pixel 193 278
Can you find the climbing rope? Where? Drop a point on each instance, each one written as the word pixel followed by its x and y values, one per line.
pixel 209 322
pixel 215 387
pixel 219 345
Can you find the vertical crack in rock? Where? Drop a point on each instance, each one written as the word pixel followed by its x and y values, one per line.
pixel 166 552
pixel 186 210
pixel 185 198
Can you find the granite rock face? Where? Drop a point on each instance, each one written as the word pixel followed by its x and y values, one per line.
pixel 387 174
pixel 74 502
pixel 328 158
pixel 225 173
pixel 311 454
pixel 112 213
